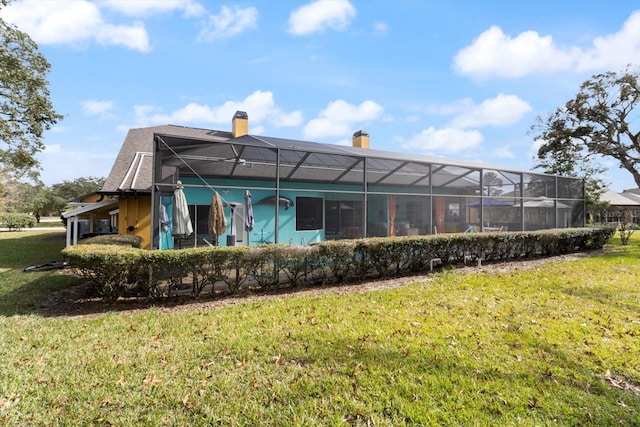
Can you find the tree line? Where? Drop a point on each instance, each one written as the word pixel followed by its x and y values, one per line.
pixel 40 200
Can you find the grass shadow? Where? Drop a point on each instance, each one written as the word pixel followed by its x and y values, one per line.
pixel 23 293
pixel 31 294
pixel 544 385
pixel 22 248
pixel 622 261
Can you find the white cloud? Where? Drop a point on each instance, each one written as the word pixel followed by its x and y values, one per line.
pixel 448 140
pixel 533 149
pixel 495 54
pixel 503 152
pixel 344 142
pixel 97 108
pixel 320 15
pixel 132 36
pixel 614 50
pixel 73 22
pixel 229 23
pixel 380 28
pixel 341 118
pixel 149 7
pixel 260 106
pixel 499 111
pixel 502 110
pixel 292 119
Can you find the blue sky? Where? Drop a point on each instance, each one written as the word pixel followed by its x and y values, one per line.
pixel 458 79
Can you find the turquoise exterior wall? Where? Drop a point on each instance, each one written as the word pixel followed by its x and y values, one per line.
pixel 264 214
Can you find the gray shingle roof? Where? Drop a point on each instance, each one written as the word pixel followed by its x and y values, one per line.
pixel 620 199
pixel 132 169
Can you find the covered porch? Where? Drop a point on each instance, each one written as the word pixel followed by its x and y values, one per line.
pixel 91 218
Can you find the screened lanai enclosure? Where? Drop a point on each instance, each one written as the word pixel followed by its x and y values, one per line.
pixel 303 192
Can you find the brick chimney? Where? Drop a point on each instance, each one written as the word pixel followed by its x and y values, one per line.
pixel 361 139
pixel 240 124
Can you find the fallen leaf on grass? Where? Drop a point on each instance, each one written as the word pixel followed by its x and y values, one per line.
pixel 622 384
pixel 150 380
pixel 186 403
pixel 11 401
pixel 121 381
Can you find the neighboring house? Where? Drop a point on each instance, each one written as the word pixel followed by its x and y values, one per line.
pixel 303 192
pixel 90 215
pixel 624 206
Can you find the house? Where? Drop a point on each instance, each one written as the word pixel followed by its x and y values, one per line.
pixel 622 206
pixel 302 192
pixel 89 215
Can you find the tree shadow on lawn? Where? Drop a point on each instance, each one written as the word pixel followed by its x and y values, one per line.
pixel 551 382
pixel 602 295
pixel 25 249
pixel 31 295
pixel 84 300
pixel 61 294
pixel 608 294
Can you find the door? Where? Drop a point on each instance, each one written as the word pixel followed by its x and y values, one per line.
pixel 237 225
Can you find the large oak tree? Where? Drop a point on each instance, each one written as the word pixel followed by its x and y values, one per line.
pixel 25 108
pixel 24 197
pixel 602 121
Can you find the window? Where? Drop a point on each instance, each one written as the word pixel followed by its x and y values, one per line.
pixel 344 219
pixel 113 216
pixel 308 213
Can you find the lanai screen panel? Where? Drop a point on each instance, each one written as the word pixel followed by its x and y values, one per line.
pixel 570 188
pixel 320 167
pixel 404 173
pixel 257 162
pixel 497 183
pixel 574 216
pixel 217 159
pixel 540 214
pixel 535 185
pixel 449 179
pixel 378 168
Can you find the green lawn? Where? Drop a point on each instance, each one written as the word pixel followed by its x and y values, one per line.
pixel 530 347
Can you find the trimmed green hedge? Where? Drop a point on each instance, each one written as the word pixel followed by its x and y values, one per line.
pixel 16 222
pixel 116 270
pixel 114 239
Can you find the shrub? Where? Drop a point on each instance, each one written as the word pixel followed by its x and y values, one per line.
pixel 232 261
pixel 298 262
pixel 16 222
pixel 111 267
pixel 264 264
pixel 339 257
pixel 116 269
pixel 114 239
pixel 626 230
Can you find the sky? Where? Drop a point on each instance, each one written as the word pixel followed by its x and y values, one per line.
pixel 461 80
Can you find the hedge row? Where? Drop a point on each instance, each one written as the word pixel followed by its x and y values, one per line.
pixel 16 221
pixel 113 239
pixel 117 270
